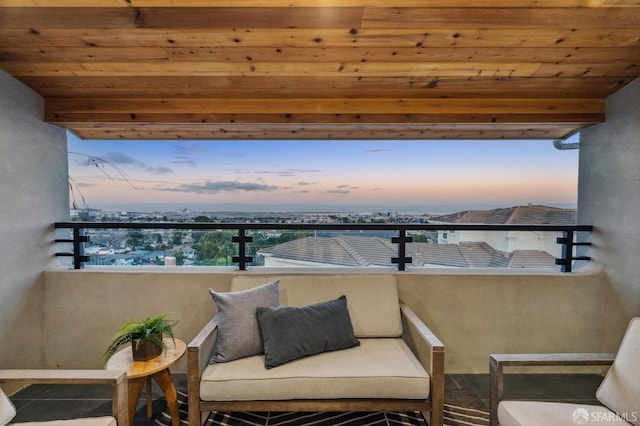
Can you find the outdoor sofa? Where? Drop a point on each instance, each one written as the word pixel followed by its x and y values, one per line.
pixel 398 364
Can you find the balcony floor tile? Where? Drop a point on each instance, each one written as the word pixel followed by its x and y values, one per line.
pixel 43 402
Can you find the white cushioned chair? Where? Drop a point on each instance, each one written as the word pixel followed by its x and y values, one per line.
pixel 398 366
pixel 619 392
pixel 117 380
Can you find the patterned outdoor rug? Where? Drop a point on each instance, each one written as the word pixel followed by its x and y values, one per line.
pixel 462 408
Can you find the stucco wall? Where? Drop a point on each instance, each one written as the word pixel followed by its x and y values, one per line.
pixel 609 198
pixel 33 190
pixel 474 314
pixel 85 308
pixel 479 313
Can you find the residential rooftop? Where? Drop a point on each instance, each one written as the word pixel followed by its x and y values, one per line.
pixel 529 214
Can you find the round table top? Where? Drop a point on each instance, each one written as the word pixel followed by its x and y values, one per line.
pixel 123 360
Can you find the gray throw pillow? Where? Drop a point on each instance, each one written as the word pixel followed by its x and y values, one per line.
pixel 290 332
pixel 238 331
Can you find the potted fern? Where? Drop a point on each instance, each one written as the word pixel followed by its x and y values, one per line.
pixel 145 337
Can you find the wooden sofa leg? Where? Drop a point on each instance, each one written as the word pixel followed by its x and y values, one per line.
pixel 195 418
pixel 193 396
pixel 437 417
pixel 437 400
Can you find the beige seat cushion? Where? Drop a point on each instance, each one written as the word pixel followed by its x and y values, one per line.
pixel 535 413
pixel 378 368
pixel 372 300
pixel 620 389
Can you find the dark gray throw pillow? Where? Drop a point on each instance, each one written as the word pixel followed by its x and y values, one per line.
pixel 290 332
pixel 238 332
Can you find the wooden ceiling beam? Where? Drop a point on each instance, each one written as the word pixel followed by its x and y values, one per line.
pixel 54 53
pixel 323 38
pixel 325 87
pixel 331 118
pixel 258 131
pixel 319 69
pixel 536 17
pixel 350 18
pixel 197 119
pixel 289 69
pixel 391 106
pixel 44 18
pixel 321 3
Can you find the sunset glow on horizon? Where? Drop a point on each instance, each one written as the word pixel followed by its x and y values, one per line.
pixel 387 175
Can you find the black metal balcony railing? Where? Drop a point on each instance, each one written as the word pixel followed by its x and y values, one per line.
pixel 568 240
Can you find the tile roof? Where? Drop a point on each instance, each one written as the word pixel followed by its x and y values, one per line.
pixel 463 255
pixel 356 251
pixel 520 215
pixel 531 259
pixel 314 249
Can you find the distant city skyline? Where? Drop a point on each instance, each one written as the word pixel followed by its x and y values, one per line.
pixel 404 176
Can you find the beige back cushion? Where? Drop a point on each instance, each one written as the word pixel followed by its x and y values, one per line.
pixel 7 410
pixel 372 299
pixel 620 389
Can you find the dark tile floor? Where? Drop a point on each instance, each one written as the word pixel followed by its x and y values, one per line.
pixel 47 402
pixel 579 388
pixel 43 402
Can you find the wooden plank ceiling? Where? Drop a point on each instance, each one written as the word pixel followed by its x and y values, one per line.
pixel 322 69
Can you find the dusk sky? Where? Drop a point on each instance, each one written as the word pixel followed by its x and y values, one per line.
pixel 416 176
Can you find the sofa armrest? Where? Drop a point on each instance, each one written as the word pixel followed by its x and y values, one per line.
pixel 198 353
pixel 497 362
pixel 202 346
pixel 418 336
pixel 117 380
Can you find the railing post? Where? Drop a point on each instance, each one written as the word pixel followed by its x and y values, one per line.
pixel 241 259
pixel 402 241
pixel 567 251
pixel 566 263
pixel 78 248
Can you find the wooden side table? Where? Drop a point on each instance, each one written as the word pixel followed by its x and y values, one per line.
pixel 141 372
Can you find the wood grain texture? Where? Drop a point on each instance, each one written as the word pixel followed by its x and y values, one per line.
pixel 314 131
pixel 317 3
pixel 123 360
pixel 322 69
